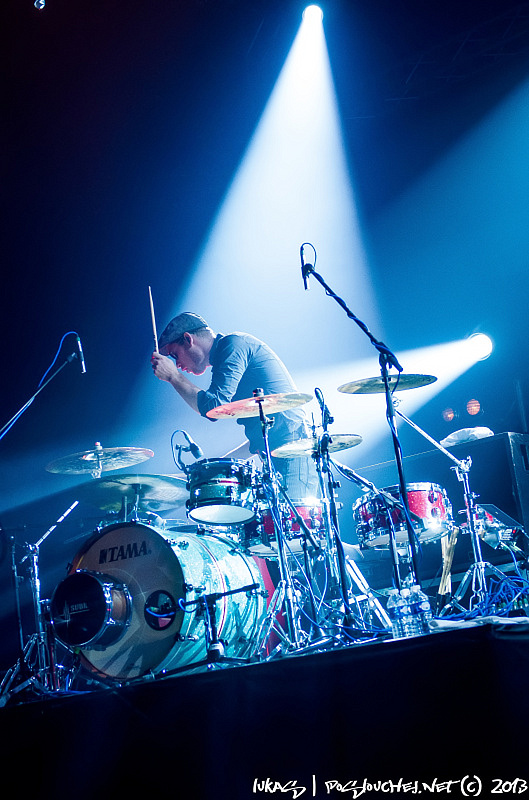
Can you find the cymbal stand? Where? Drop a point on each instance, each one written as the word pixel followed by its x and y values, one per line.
pixel 387 359
pixel 475 577
pixel 336 556
pixel 285 587
pixel 37 667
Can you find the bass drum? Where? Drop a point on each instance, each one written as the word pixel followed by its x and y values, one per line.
pixel 121 605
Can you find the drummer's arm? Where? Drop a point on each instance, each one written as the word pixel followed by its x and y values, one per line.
pixel 165 369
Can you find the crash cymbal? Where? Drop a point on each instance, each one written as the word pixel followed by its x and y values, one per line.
pixel 309 446
pixel 101 459
pixel 152 492
pixel 249 407
pixel 396 383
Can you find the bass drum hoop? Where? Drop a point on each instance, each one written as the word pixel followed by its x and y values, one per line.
pixel 99 614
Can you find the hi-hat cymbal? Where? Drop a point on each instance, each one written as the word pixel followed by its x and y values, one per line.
pixel 151 492
pixel 396 383
pixel 249 407
pixel 101 459
pixel 309 446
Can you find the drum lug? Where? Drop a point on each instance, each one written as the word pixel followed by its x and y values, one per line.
pixel 189 638
pixel 183 544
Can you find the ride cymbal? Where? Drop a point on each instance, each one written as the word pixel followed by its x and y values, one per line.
pixel 101 459
pixel 309 446
pixel 396 383
pixel 249 407
pixel 151 492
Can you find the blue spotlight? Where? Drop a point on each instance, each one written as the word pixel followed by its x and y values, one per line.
pixel 480 345
pixel 313 14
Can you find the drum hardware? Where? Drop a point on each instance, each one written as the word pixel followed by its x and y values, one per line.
pixel 476 576
pixel 284 594
pixel 340 580
pixel 206 606
pixel 386 384
pixel 37 667
pixel 99 460
pixel 126 605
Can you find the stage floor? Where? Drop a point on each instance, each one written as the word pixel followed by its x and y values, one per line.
pixel 443 713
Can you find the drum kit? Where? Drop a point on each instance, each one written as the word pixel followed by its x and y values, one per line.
pixel 147 597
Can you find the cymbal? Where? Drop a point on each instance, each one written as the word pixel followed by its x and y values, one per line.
pixel 396 383
pixel 99 460
pixel 249 407
pixel 309 446
pixel 153 492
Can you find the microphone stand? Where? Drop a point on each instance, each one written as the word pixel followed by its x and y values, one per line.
pixel 387 359
pixel 19 413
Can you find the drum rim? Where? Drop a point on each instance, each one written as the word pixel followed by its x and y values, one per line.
pixel 105 582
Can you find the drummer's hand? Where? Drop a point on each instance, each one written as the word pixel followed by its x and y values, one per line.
pixel 164 367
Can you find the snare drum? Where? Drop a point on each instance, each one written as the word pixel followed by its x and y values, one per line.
pixel 222 491
pixel 259 537
pixel 427 501
pixel 124 604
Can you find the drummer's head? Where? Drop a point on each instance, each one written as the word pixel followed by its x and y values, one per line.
pixel 188 339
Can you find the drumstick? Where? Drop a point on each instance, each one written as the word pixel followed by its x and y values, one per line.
pixel 153 322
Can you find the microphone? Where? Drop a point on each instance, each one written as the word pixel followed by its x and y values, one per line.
pixel 305 269
pixel 80 354
pixel 326 415
pixel 194 449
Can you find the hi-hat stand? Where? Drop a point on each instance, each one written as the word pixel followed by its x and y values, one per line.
pixel 36 669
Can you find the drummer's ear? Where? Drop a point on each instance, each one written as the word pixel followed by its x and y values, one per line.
pixel 187 340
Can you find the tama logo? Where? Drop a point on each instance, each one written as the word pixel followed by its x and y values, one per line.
pixel 132 550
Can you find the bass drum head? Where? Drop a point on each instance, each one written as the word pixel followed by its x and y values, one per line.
pixel 162 571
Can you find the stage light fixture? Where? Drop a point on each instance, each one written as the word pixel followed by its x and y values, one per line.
pixel 481 346
pixel 473 407
pixel 449 414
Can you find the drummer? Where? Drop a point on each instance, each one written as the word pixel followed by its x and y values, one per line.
pixel 240 363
